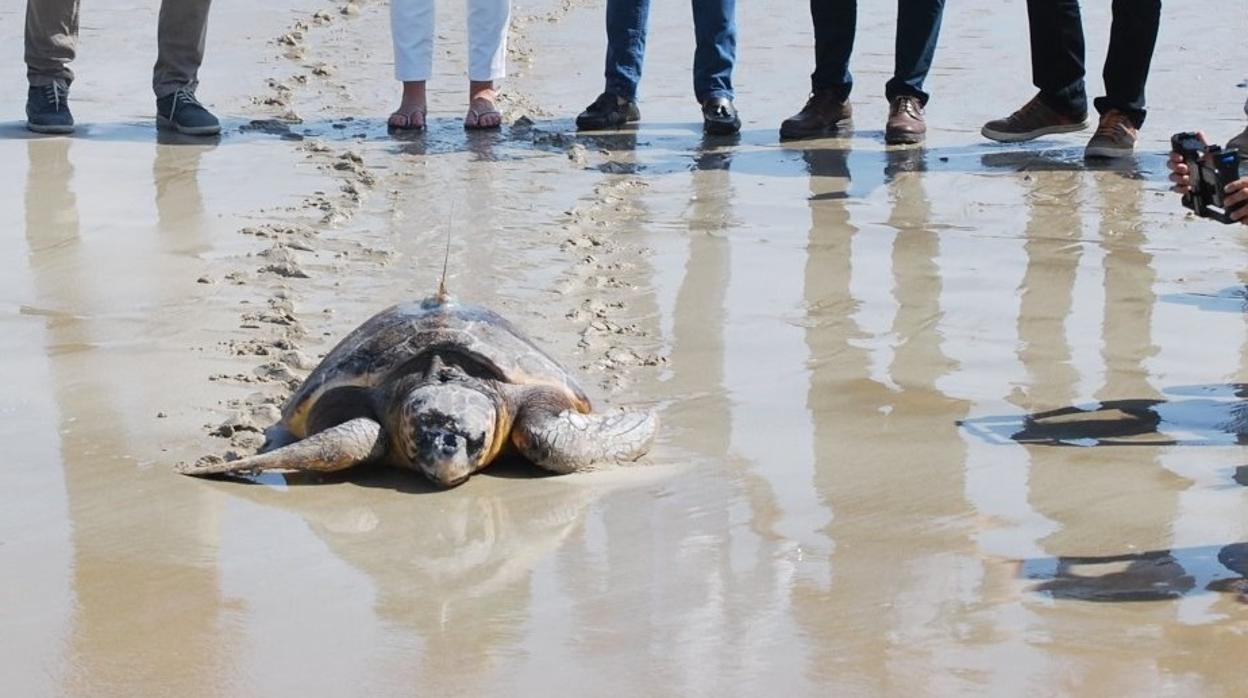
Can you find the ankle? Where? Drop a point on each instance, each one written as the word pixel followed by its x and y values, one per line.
pixel 482 89
pixel 414 91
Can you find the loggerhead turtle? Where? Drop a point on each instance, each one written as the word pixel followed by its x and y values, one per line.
pixel 442 388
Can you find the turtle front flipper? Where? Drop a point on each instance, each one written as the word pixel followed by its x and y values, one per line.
pixel 564 440
pixel 337 448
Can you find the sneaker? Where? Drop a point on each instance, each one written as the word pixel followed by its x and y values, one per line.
pixel 825 114
pixel 608 111
pixel 183 113
pixel 905 121
pixel 47 108
pixel 1115 137
pixel 719 117
pixel 1033 120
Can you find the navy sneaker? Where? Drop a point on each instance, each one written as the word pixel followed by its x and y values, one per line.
pixel 608 111
pixel 47 108
pixel 183 113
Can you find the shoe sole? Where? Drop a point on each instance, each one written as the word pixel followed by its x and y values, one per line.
pixel 1107 153
pixel 165 123
pixel 904 138
pixel 604 127
pixel 712 129
pixel 51 129
pixel 838 129
pixel 1007 137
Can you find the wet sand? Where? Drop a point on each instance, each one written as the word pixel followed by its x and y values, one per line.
pixel 859 489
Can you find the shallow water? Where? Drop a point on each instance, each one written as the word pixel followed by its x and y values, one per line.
pixel 869 480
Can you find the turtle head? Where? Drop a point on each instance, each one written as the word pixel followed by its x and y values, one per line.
pixel 446 430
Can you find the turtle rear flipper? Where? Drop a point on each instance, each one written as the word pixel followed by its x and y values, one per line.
pixel 565 441
pixel 337 448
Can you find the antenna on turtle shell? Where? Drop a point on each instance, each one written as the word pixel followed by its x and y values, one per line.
pixel 443 296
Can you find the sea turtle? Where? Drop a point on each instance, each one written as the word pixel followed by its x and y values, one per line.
pixel 443 388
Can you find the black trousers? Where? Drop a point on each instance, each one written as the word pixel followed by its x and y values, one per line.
pixel 918 26
pixel 1057 58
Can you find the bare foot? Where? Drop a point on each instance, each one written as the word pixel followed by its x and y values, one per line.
pixel 482 112
pixel 410 116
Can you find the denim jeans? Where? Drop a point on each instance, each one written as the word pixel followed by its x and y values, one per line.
pixel 1057 55
pixel 918 26
pixel 715 32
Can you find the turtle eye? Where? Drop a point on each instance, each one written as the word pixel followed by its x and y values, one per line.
pixel 474 446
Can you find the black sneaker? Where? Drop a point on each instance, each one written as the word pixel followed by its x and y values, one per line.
pixel 183 113
pixel 608 111
pixel 47 108
pixel 719 117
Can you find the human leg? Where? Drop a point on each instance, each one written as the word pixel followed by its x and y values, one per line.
pixel 827 110
pixel 180 33
pixel 835 25
pixel 918 27
pixel 626 46
pixel 715 33
pixel 1132 38
pixel 411 32
pixel 487 50
pixel 1057 54
pixel 487 39
pixel 181 30
pixel 51 40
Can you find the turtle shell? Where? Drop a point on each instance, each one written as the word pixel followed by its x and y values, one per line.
pixel 404 338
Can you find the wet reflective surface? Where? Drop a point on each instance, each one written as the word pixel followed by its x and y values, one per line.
pixel 965 418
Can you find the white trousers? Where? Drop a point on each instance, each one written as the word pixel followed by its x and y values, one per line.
pixel 411 25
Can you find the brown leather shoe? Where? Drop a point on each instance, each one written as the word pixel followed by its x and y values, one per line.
pixel 905 121
pixel 1032 120
pixel 824 114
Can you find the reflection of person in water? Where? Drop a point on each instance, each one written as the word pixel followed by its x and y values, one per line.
pixel 128 570
pixel 1154 575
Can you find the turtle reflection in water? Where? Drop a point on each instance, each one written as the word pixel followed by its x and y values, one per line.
pixel 442 388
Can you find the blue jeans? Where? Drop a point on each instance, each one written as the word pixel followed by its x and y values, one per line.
pixel 918 26
pixel 715 31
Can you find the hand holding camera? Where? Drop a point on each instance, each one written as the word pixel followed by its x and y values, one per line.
pixel 1208 177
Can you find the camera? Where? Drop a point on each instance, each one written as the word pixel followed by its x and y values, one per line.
pixel 1211 168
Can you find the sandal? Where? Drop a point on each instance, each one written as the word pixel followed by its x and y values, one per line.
pixel 407 121
pixel 478 109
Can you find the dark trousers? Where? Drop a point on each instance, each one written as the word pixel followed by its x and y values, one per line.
pixel 715 34
pixel 918 26
pixel 1057 59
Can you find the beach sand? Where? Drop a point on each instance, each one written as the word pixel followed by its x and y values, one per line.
pixel 842 339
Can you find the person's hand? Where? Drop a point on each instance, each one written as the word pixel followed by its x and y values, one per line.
pixel 1235 194
pixel 1180 174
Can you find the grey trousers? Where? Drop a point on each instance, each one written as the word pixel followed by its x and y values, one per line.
pixel 52 36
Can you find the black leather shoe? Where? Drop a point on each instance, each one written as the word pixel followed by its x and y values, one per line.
pixel 608 111
pixel 183 113
pixel 719 117
pixel 47 108
pixel 826 114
